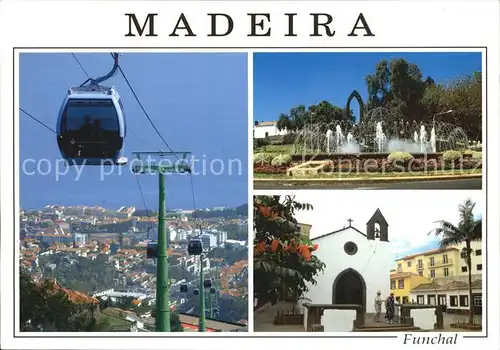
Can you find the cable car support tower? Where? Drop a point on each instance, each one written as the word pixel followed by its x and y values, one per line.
pixel 162 166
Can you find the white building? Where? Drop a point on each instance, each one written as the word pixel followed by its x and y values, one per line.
pixel 357 265
pixel 103 293
pixel 455 295
pixel 95 211
pixel 235 243
pixel 143 224
pixel 123 213
pixel 209 240
pixel 182 235
pixel 192 263
pixel 266 129
pixel 222 237
pixel 53 209
pixel 476 261
pixel 80 239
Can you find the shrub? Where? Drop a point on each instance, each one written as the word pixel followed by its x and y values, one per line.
pixel 451 157
pixel 289 138
pixel 268 169
pixel 399 157
pixel 261 142
pixel 477 155
pixel 276 143
pixel 262 158
pixel 281 160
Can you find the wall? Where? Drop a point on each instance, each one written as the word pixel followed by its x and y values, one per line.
pixel 448 294
pixel 410 282
pixel 475 259
pixel 338 320
pixel 454 269
pixel 272 130
pixel 374 268
pixel 423 318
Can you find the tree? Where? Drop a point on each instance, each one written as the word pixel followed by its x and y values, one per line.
pixel 325 112
pixel 398 86
pixel 296 118
pixel 46 309
pixel 85 275
pixel 466 231
pixel 175 321
pixel 464 97
pixel 283 259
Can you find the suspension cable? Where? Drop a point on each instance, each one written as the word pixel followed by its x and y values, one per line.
pixel 38 121
pixel 144 111
pixel 81 66
pixel 158 133
pixel 145 205
pixel 150 121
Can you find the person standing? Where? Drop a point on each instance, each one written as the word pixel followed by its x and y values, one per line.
pixel 378 307
pixel 390 308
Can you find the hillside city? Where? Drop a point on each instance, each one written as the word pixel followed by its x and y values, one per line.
pixel 99 256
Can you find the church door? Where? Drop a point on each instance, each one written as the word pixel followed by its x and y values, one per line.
pixel 349 288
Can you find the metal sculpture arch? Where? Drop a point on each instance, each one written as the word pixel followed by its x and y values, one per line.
pixel 355 94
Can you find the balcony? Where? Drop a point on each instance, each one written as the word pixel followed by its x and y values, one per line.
pixel 441 276
pixel 439 263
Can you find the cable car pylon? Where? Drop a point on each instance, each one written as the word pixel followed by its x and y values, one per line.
pixel 147 166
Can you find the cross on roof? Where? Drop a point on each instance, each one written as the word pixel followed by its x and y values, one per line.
pixel 350 221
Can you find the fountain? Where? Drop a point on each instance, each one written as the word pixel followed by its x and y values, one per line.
pixel 433 140
pixel 379 137
pixel 328 140
pixel 379 132
pixel 423 138
pixel 339 138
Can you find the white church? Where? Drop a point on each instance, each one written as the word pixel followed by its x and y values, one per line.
pixel 357 263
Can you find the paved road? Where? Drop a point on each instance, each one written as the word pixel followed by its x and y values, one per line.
pixel 465 184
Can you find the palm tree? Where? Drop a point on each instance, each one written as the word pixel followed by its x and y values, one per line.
pixel 468 230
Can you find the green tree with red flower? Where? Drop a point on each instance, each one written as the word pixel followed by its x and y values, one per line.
pixel 284 260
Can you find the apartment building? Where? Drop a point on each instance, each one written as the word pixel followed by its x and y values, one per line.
pixel 444 264
pixel 122 213
pixel 444 278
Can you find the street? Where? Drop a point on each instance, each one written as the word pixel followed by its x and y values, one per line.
pixel 463 184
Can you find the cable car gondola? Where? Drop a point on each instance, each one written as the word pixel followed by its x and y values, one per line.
pixel 91 125
pixel 195 246
pixel 152 250
pixel 207 283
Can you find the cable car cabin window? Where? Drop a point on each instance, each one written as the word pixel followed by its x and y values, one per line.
pixel 90 129
pixel 85 116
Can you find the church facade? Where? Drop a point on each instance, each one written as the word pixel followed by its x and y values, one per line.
pixel 357 263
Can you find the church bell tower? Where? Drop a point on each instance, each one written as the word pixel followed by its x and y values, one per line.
pixel 382 232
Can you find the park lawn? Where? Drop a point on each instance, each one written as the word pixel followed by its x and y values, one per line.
pixel 115 322
pixel 336 175
pixel 281 149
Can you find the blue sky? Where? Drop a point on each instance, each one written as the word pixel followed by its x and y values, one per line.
pixel 285 80
pixel 197 101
